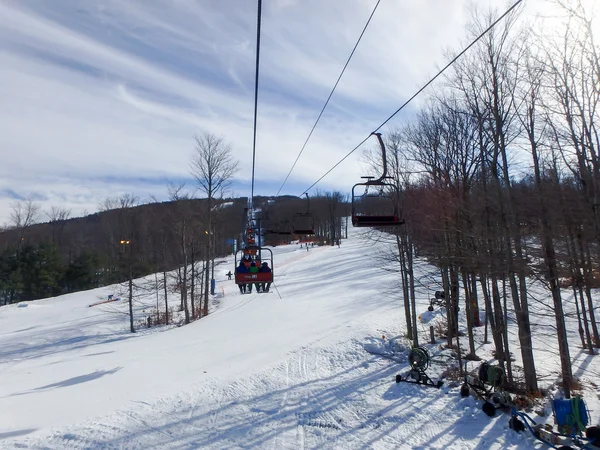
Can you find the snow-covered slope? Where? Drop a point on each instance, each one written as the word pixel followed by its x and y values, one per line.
pixel 280 370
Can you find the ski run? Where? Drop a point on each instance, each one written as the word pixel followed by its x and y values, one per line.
pixel 292 369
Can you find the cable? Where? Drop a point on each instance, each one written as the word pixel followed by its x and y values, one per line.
pixel 277 290
pixel 255 98
pixel 418 92
pixel 329 98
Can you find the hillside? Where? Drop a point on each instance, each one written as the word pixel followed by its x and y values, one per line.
pixel 281 370
pixel 64 256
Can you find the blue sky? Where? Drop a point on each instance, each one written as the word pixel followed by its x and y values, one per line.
pixel 101 98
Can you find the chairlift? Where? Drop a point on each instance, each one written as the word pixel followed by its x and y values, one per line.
pixel 282 228
pixel 258 255
pixel 377 206
pixel 304 223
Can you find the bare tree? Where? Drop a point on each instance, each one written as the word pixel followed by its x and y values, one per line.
pixel 213 168
pixel 24 214
pixel 117 226
pixel 57 217
pixel 183 227
pixel 120 202
pixel 488 82
pixel 573 69
pixel 527 96
pixel 56 214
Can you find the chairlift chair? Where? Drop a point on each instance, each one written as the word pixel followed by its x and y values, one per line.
pixel 255 253
pixel 283 228
pixel 304 223
pixel 374 210
pixel 378 209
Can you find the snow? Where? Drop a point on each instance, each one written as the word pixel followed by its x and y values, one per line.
pixel 283 370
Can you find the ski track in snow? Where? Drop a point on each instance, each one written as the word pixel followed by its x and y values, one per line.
pixel 320 389
pixel 325 398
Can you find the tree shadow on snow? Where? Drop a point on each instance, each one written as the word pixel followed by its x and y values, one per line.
pixel 49 347
pixel 347 409
pixel 71 381
pixel 427 412
pixel 22 330
pixel 15 433
pixel 266 417
pixel 582 360
pixel 325 415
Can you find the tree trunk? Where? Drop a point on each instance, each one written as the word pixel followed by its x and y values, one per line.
pixel 449 313
pixel 184 294
pixel 131 326
pixel 166 298
pixel 404 278
pixel 411 275
pixel 195 313
pixel 589 280
pixel 586 339
pixel 454 298
pixel 495 318
pixel 467 289
pixel 509 373
pixel 551 266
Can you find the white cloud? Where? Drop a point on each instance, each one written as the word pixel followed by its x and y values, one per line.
pixel 92 92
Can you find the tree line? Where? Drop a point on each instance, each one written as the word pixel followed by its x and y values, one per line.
pixel 180 239
pixel 499 176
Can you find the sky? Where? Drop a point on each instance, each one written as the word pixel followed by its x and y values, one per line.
pixel 103 98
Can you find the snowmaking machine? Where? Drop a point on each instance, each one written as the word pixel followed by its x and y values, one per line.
pixel 570 430
pixel 487 385
pixel 419 361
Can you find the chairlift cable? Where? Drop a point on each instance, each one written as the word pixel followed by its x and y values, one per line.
pixel 329 98
pixel 258 19
pixel 508 11
pixel 253 252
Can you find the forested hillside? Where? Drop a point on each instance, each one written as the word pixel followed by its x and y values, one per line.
pixel 65 255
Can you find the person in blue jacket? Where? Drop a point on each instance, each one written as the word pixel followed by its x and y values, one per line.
pixel 242 269
pixel 265 268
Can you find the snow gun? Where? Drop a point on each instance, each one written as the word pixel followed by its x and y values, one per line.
pixel 438 300
pixel 571 420
pixel 419 361
pixel 487 386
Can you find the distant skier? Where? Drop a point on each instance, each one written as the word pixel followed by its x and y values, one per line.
pixel 229 275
